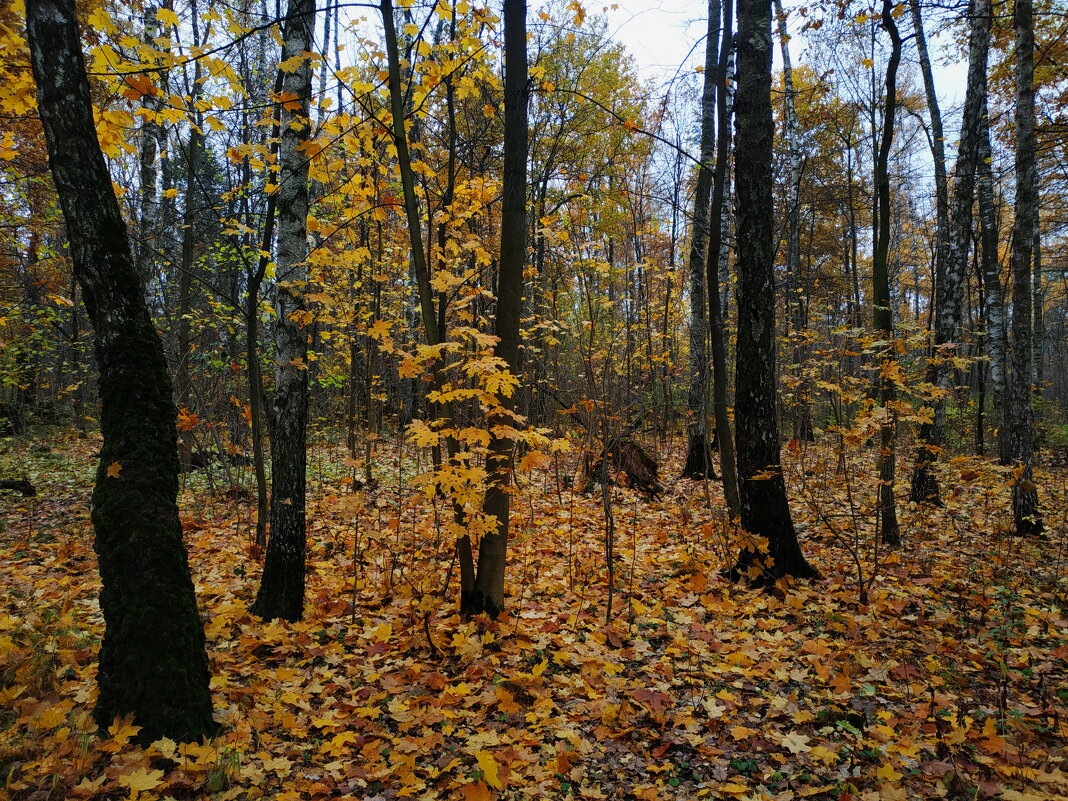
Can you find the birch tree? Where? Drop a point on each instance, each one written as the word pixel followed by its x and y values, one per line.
pixel 281 592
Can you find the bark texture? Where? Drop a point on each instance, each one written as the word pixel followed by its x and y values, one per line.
pixel 1025 509
pixel 764 506
pixel 153 663
pixel 882 313
pixel 952 267
pixel 994 291
pixel 795 302
pixel 716 263
pixel 281 592
pixel 698 455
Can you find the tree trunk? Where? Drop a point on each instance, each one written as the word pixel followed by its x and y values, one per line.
pixel 995 292
pixel 492 551
pixel 281 592
pixel 148 227
pixel 698 455
pixel 938 141
pixel 764 506
pixel 882 313
pixel 1025 510
pixel 716 261
pixel 152 660
pixel 257 421
pixel 951 259
pixel 432 327
pixel 802 412
pixel 1038 308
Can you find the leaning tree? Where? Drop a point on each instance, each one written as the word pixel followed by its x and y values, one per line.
pixel 153 664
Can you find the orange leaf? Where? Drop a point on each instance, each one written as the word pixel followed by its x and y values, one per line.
pixel 114 469
pixel 476 792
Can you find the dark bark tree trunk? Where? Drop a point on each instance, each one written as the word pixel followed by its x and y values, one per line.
pixel 882 313
pixel 152 660
pixel 951 261
pixel 257 411
pixel 938 140
pixel 714 265
pixel 492 551
pixel 698 454
pixel 281 592
pixel 795 301
pixel 764 506
pixel 1025 509
pixel 148 227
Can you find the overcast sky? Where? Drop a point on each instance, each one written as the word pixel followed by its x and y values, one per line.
pixel 664 36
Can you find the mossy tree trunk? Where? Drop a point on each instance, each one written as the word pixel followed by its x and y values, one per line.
pixel 153 663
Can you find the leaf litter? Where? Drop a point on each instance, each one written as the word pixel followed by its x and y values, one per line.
pixel 949 683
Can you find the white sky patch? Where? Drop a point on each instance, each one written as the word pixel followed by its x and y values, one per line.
pixel 666 38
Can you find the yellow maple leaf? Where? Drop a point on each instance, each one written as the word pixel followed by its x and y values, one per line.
pixel 824 755
pixel 380 330
pixel 167 17
pixel 489 767
pixel 291 64
pixel 142 779
pixel 888 774
pixel 113 472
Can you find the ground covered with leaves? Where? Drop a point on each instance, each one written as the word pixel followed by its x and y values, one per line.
pixel 940 670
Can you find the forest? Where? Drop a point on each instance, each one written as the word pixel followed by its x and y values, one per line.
pixel 424 399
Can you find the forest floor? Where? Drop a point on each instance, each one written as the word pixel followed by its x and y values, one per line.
pixel 951 681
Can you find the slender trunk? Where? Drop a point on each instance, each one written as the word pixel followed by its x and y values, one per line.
pixel 802 412
pixel 992 286
pixel 951 261
pixel 149 223
pixel 938 140
pixel 1025 507
pixel 1038 307
pixel 281 592
pixel 252 343
pixel 255 398
pixel 194 150
pixel 728 460
pixel 882 313
pixel 153 663
pixel 492 550
pixel 698 455
pixel 765 510
pixel 433 332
